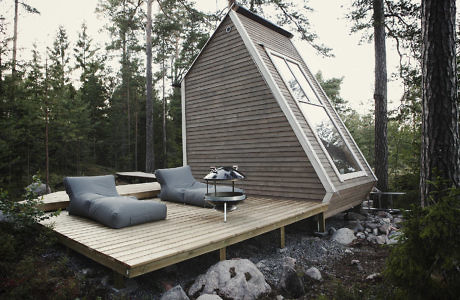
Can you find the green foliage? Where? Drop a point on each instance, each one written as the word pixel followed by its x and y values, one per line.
pixel 291 14
pixel 25 213
pixel 331 87
pixel 425 264
pixel 24 271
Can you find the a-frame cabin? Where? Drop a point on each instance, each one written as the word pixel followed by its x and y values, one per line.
pixel 250 100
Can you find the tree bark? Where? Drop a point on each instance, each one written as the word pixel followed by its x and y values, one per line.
pixel 149 151
pixel 15 37
pixel 440 144
pixel 380 97
pixel 165 157
pixel 47 159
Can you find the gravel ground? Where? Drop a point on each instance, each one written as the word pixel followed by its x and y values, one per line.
pixel 333 260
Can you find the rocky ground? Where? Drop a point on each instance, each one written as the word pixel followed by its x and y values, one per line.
pixel 347 260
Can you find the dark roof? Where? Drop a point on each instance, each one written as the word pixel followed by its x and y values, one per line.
pixel 262 21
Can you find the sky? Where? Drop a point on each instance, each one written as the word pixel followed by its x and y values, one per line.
pixel 352 61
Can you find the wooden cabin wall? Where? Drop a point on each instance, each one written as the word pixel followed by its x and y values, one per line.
pixel 232 118
pixel 265 37
pixel 348 198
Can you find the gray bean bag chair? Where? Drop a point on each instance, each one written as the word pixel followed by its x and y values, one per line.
pixel 179 185
pixel 96 198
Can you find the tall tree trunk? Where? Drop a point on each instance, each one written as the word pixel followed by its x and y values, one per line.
pixel 136 132
pixel 165 157
pixel 47 160
pixel 15 37
pixel 128 105
pixel 149 151
pixel 380 97
pixel 440 144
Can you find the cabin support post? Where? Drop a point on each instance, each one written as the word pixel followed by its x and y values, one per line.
pixel 321 222
pixel 223 253
pixel 118 280
pixel 283 237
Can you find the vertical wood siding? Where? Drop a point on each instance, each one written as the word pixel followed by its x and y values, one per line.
pixel 232 118
pixel 264 37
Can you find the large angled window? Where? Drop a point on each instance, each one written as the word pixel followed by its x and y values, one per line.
pixel 332 141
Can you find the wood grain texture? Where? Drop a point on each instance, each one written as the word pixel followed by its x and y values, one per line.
pixel 187 232
pixel 262 38
pixel 232 118
pixel 348 198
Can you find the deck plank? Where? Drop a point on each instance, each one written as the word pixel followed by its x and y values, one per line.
pixel 187 232
pixel 60 200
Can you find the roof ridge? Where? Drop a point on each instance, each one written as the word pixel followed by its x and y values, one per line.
pixel 247 13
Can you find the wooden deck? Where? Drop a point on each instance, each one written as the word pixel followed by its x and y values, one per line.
pixel 187 232
pixel 60 200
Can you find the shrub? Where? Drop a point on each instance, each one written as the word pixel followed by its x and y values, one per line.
pixel 425 263
pixel 25 273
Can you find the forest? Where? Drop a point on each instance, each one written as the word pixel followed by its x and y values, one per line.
pixel 81 109
pixel 96 124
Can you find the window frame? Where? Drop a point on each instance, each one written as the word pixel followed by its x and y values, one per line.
pixel 342 177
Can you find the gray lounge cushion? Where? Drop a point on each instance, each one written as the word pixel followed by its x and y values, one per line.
pixel 96 198
pixel 179 185
pixel 119 212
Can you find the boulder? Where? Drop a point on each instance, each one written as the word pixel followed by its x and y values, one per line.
pixel 383 214
pixel 393 237
pixel 176 293
pixel 385 228
pixel 381 239
pixel 372 225
pixel 314 273
pixel 39 188
pixel 344 236
pixel 386 220
pixel 355 216
pixel 374 276
pixel 371 238
pixel 291 283
pixel 332 230
pixel 358 227
pixel 289 262
pixel 209 297
pixel 361 235
pixel 236 279
pixel 398 221
pixel 356 263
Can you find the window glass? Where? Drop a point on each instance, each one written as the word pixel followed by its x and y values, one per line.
pixel 316 114
pixel 289 79
pixel 330 138
pixel 306 87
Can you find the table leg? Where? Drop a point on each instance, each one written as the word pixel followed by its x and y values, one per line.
pixel 225 212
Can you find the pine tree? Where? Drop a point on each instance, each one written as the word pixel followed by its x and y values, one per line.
pixel 440 135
